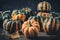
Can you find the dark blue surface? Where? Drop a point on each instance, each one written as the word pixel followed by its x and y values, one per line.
pixel 18 4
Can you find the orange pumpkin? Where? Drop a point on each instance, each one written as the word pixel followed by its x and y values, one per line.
pixel 30 29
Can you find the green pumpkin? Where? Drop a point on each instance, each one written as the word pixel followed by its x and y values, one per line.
pixel 51 25
pixel 6 15
pixel 11 26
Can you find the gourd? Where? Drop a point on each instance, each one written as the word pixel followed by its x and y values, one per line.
pixel 29 29
pixel 39 20
pixel 11 26
pixel 17 15
pixel 51 25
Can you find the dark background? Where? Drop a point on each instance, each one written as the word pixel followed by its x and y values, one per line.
pixel 18 4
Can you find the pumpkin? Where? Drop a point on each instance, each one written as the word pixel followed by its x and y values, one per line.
pixel 51 25
pixel 18 15
pixel 29 29
pixel 44 14
pixel 58 18
pixel 44 6
pixel 6 14
pixel 27 11
pixel 39 20
pixel 11 26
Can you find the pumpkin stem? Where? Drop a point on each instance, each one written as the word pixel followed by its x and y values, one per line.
pixel 30 24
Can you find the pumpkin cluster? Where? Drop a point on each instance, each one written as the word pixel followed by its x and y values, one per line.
pixel 29 24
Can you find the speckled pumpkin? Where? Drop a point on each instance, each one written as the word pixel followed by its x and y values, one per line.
pixel 11 26
pixel 51 25
pixel 30 29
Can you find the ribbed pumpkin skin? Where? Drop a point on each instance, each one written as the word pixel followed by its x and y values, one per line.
pixel 44 14
pixel 30 30
pixel 11 26
pixel 39 20
pixel 51 26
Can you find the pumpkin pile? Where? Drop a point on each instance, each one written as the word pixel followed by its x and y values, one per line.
pixel 29 24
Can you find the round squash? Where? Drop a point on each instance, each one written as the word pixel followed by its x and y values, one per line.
pixel 39 20
pixel 27 11
pixel 18 15
pixel 44 6
pixel 29 29
pixel 11 26
pixel 51 26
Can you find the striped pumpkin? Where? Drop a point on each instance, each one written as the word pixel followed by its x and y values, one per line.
pixel 51 25
pixel 11 26
pixel 18 15
pixel 27 11
pixel 44 15
pixel 39 20
pixel 44 6
pixel 29 29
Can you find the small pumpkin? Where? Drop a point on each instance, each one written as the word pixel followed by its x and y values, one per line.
pixel 27 11
pixel 51 26
pixel 39 20
pixel 30 29
pixel 11 26
pixel 18 15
